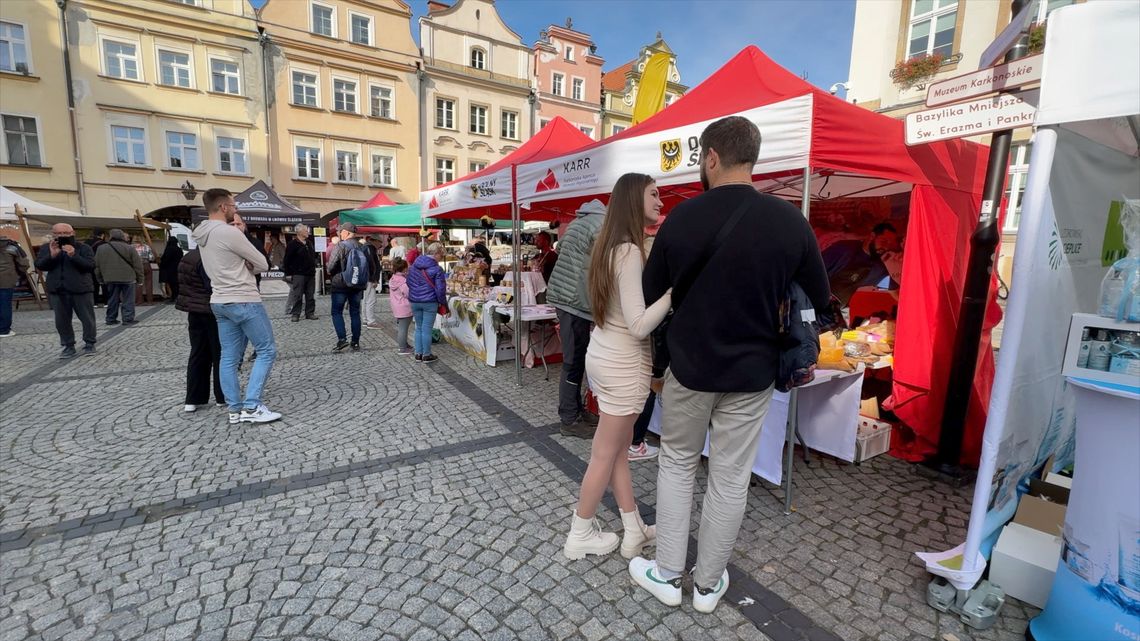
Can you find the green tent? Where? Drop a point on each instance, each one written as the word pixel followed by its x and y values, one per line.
pixel 406 216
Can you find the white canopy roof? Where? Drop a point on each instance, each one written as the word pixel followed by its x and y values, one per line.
pixel 9 199
pixel 52 215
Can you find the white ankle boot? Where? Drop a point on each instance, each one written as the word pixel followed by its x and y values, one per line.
pixel 586 537
pixel 637 534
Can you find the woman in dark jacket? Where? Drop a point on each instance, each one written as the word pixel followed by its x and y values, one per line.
pixel 168 268
pixel 205 348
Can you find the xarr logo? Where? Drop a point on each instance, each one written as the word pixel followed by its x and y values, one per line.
pixel 433 204
pixel 548 183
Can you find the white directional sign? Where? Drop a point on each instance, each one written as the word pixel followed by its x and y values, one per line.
pixel 1003 111
pixel 979 83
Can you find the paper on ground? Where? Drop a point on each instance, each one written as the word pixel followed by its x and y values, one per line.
pixel 948 565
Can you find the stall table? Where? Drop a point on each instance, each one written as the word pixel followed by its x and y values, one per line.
pixel 548 343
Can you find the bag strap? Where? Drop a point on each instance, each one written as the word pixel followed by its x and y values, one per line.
pixel 124 258
pixel 686 282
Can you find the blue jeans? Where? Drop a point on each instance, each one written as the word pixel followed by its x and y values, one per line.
pixel 238 323
pixel 6 309
pixel 339 298
pixel 424 315
pixel 120 294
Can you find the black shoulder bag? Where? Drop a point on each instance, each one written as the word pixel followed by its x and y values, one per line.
pixel 658 338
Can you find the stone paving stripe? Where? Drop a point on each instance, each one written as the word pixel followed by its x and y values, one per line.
pixel 252 491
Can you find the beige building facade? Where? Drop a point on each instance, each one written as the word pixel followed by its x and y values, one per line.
pixel 343 101
pixel 37 158
pixel 619 87
pixel 168 101
pixel 477 93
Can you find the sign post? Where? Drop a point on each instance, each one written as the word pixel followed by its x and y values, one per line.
pixel 986 81
pixel 995 113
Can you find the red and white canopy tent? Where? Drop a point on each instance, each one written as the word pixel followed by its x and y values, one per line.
pixel 814 147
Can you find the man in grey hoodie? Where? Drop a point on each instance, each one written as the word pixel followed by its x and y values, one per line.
pixel 567 291
pixel 231 261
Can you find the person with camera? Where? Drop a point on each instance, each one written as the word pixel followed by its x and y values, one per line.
pixel 300 266
pixel 70 269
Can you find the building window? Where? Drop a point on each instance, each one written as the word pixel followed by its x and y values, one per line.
pixel 478 58
pixel 181 150
pixel 543 122
pixel 324 20
pixel 344 95
pixel 476 165
pixel 479 119
pixel 557 86
pixel 225 76
pixel 510 125
pixel 231 155
pixel 670 99
pixel 13 48
pixel 383 170
pixel 191 3
pixel 589 131
pixel 1015 186
pixel 616 129
pixel 174 68
pixel 22 141
pixel 578 89
pixel 129 144
pixel 381 98
pixel 932 27
pixel 569 53
pixel 444 170
pixel 308 162
pixel 347 167
pixel 121 60
pixel 361 29
pixel 304 89
pixel 444 113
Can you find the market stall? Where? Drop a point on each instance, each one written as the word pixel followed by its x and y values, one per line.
pixel 1076 281
pixel 817 150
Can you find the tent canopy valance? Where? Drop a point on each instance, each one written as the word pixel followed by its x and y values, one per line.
pixel 10 201
pixel 259 205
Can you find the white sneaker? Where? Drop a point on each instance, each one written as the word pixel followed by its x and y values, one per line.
pixel 705 599
pixel 235 418
pixel 644 573
pixel 259 415
pixel 586 537
pixel 189 409
pixel 7 334
pixel 642 452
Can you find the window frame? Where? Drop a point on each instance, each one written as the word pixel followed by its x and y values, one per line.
pixel 436 166
pixel 391 100
pixel 568 53
pixel 355 94
pixel 483 60
pixel 320 159
pixel 502 121
pixel 114 160
pixel 332 17
pixel 932 17
pixel 558 81
pixel 372 156
pixel 583 128
pixel 160 49
pixel 120 40
pixel 6 154
pixel 371 28
pixel 454 123
pixel 316 85
pixel 472 168
pixel 1016 180
pixel 617 129
pixel 337 158
pixel 486 109
pixel 574 82
pixel 169 157
pixel 228 60
pixel 218 149
pixel 26 45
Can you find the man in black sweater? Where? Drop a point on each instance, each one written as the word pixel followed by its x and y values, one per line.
pixel 724 348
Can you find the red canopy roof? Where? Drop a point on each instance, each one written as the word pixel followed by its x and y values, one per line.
pixel 381 199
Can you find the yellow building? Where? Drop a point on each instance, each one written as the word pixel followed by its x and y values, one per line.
pixel 477 95
pixel 343 106
pixel 169 101
pixel 619 88
pixel 37 159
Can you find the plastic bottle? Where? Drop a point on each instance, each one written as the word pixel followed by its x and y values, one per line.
pixel 1083 353
pixel 1099 356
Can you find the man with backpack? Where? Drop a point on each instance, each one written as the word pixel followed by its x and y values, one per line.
pixel 348 268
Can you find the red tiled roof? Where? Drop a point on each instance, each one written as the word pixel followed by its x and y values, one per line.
pixel 614 80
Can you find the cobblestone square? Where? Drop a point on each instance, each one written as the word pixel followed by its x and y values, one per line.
pixel 395 500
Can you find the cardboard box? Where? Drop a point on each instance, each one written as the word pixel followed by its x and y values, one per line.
pixel 1043 507
pixel 1024 563
pixel 1073 349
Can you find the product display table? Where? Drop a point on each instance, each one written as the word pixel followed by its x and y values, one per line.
pixel 483 330
pixel 540 320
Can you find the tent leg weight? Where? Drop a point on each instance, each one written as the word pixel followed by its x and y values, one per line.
pixel 977 608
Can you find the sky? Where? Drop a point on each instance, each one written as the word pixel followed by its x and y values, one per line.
pixel 805 36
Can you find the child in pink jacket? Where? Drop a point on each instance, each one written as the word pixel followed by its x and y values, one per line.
pixel 401 306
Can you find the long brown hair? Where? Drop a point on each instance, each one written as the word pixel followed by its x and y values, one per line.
pixel 624 223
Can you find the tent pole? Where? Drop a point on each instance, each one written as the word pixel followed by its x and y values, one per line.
pixel 32 270
pixel 516 250
pixel 145 231
pixel 805 205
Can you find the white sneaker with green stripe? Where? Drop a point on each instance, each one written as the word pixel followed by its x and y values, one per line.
pixel 644 573
pixel 705 599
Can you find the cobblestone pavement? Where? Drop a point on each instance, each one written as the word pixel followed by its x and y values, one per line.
pixel 395 500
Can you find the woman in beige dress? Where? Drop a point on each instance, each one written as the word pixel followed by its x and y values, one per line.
pixel 618 366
